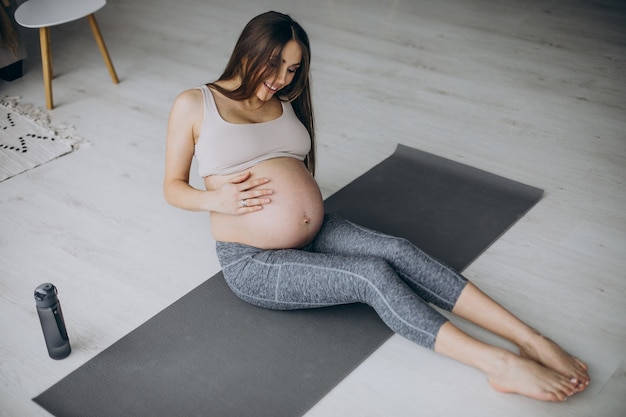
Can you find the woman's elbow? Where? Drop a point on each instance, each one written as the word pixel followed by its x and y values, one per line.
pixel 169 193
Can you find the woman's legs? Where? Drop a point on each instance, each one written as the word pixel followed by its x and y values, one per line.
pixel 505 371
pixel 344 264
pixel 445 288
pixel 359 265
pixel 477 307
pixel 294 279
pixel 432 280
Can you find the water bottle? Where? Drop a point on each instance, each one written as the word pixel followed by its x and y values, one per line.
pixel 52 323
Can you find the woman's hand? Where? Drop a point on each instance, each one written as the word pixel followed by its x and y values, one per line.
pixel 241 194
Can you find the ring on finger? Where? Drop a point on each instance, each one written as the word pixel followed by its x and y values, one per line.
pixel 244 202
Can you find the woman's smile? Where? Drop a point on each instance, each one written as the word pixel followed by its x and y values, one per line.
pixel 270 87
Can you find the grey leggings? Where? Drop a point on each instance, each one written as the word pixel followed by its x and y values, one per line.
pixel 347 263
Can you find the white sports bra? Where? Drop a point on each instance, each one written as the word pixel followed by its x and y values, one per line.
pixel 225 148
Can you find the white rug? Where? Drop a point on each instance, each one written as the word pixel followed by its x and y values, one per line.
pixel 28 138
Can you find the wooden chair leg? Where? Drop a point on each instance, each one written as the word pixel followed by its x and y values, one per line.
pixel 103 49
pixel 46 63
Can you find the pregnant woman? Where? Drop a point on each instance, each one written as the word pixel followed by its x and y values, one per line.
pixel 252 134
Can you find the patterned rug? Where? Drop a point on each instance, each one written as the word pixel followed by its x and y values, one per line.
pixel 28 138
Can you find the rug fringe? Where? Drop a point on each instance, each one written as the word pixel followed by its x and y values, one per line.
pixel 41 117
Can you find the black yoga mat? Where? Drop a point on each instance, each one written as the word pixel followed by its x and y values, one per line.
pixel 210 354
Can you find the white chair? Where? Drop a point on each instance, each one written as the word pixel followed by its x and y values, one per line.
pixel 43 14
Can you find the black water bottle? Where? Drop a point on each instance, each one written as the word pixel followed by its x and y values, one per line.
pixel 52 323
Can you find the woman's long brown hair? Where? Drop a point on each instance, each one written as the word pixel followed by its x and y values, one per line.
pixel 264 38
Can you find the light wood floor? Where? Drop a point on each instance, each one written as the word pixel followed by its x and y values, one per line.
pixel 531 90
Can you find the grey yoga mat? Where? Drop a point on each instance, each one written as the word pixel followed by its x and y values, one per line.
pixel 210 354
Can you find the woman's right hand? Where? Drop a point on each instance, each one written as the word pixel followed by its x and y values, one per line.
pixel 241 194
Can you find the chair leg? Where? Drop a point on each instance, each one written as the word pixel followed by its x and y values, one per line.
pixel 46 63
pixel 103 49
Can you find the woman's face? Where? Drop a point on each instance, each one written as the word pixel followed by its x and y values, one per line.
pixel 285 66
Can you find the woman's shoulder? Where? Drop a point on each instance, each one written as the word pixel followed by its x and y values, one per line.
pixel 187 110
pixel 188 103
pixel 189 98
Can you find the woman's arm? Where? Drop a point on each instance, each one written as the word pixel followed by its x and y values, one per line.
pixel 185 117
pixel 184 123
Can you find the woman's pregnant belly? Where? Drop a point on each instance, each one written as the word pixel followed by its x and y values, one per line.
pixel 291 220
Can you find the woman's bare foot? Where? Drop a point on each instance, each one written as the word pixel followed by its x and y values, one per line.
pixel 514 374
pixel 475 306
pixel 506 371
pixel 547 353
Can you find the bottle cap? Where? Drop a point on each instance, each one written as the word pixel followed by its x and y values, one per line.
pixel 45 295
